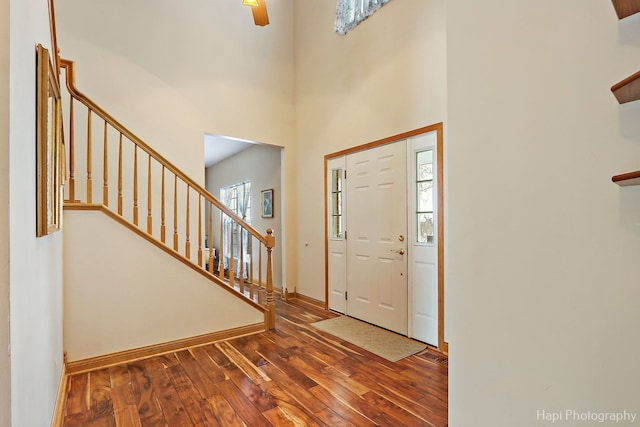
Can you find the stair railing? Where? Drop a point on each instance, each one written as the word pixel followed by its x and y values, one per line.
pixel 154 185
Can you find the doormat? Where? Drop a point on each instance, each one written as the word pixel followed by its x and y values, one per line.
pixel 381 342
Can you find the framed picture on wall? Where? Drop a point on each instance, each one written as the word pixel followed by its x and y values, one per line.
pixel 49 148
pixel 267 203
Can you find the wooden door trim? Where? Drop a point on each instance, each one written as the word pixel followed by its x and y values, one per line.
pixel 383 141
pixel 440 165
pixel 438 127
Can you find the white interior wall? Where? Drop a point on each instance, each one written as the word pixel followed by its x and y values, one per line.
pixel 259 164
pixel 542 247
pixel 173 72
pixel 5 365
pixel 386 77
pixel 35 265
pixel 138 303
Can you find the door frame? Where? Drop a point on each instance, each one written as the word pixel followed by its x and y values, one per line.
pixel 438 128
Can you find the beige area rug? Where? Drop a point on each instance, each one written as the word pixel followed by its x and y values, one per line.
pixel 381 342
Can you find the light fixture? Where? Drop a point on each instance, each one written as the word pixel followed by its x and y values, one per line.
pixel 250 2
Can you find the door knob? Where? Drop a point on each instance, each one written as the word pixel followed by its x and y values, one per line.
pixel 399 251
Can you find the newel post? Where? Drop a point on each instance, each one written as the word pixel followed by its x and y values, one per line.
pixel 270 320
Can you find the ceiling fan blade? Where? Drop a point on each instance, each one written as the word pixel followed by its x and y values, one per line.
pixel 260 16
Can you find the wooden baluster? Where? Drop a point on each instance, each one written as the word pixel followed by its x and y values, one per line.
pixel 135 184
pixel 89 197
pixel 187 244
pixel 232 273
pixel 149 219
pixel 260 275
pixel 250 273
pixel 163 227
pixel 211 259
pixel 221 254
pixel 120 177
pixel 72 162
pixel 105 167
pixel 241 259
pixel 175 213
pixel 270 321
pixel 200 230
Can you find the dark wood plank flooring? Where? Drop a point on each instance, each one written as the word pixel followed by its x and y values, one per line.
pixel 293 376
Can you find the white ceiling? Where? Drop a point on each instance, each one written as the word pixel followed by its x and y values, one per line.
pixel 219 147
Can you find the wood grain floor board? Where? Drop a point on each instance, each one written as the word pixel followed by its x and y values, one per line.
pixel 253 372
pixel 223 412
pixel 332 419
pixel 78 395
pixel 100 389
pixel 394 411
pixel 261 399
pixel 127 416
pixel 192 399
pixel 402 397
pixel 243 407
pixel 215 372
pixel 356 416
pixel 174 412
pixel 121 388
pixel 217 356
pixel 195 373
pixel 294 375
pixel 284 388
pixel 145 395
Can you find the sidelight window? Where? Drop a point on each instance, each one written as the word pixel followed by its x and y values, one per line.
pixel 424 196
pixel 336 203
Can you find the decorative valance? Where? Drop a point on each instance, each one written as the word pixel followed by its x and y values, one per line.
pixel 350 13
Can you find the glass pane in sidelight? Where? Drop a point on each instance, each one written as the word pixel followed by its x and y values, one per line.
pixel 424 165
pixel 425 196
pixel 336 227
pixel 425 227
pixel 336 206
pixel 336 180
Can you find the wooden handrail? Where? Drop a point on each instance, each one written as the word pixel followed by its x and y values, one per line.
pixel 69 67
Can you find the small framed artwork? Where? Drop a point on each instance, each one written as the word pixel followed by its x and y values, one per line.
pixel 267 203
pixel 49 148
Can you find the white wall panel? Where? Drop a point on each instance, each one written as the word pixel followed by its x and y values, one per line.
pixel 119 300
pixel 35 265
pixel 542 247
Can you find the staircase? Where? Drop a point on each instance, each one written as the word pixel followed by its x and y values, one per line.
pixel 150 196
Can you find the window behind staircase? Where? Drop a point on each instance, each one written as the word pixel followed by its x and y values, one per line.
pixel 236 197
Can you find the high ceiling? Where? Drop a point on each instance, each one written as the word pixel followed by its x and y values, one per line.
pixel 219 147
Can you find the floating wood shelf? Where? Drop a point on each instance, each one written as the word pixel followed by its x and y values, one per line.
pixel 626 8
pixel 627 90
pixel 626 179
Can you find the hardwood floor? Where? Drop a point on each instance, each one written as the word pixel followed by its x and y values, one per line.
pixel 293 376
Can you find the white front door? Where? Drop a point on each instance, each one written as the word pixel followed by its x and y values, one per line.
pixel 376 227
pixel 423 216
